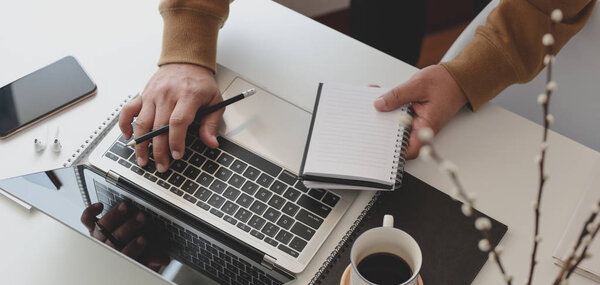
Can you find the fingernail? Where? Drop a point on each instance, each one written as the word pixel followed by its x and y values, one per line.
pixel 214 139
pixel 140 161
pixel 140 217
pixel 97 205
pixel 141 241
pixel 176 154
pixel 160 167
pixel 122 207
pixel 380 103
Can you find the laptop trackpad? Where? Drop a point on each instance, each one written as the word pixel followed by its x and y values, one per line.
pixel 266 125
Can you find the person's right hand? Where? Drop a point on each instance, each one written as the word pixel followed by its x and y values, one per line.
pixel 172 96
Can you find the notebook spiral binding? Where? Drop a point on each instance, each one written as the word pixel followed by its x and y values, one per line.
pixel 402 146
pixel 90 142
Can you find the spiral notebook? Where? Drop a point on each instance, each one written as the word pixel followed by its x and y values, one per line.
pixel 351 145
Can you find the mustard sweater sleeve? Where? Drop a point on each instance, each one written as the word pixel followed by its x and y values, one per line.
pixel 509 50
pixel 190 31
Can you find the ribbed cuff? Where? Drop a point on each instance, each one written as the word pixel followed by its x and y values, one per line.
pixel 481 70
pixel 190 36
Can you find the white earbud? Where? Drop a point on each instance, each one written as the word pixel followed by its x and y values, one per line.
pixel 39 145
pixel 56 146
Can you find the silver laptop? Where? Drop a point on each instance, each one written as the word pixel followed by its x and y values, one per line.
pixel 237 214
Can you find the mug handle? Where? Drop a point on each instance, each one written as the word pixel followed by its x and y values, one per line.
pixel 388 221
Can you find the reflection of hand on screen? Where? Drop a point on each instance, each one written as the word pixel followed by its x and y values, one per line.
pixel 123 228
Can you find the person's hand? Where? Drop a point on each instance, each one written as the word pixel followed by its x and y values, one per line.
pixel 435 96
pixel 125 228
pixel 172 96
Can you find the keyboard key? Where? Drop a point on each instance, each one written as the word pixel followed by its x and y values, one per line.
pixel 263 195
pixel 284 237
pixel 256 222
pixel 125 163
pixel 271 241
pixel 203 205
pixel 258 207
pixel 290 209
pixel 309 218
pixel 176 191
pixel 216 212
pixel 297 244
pixel 198 146
pixel 150 166
pixel 245 200
pixel 237 180
pixel 225 159
pixel 210 167
pixel 212 153
pixel 230 208
pixel 121 150
pixel 276 202
pixel 300 186
pixel 243 215
pixel 205 179
pixel 285 222
pixel 331 199
pixel 302 231
pixel 216 201
pixel 223 173
pixel 314 206
pixel 231 193
pixel 249 187
pixel 270 229
pixel 265 180
pixel 186 154
pixel 137 170
pixel 197 160
pixel 287 250
pixel 243 227
pixel 251 173
pixel 230 220
pixel 176 179
pixel 191 172
pixel 179 165
pixel 190 198
pixel 257 235
pixel 165 175
pixel 163 184
pixel 150 177
pixel 218 186
pixel 317 193
pixel 203 194
pixel 111 156
pixel 238 166
pixel 292 194
pixel 278 187
pixel 245 155
pixel 272 215
pixel 288 177
pixel 189 186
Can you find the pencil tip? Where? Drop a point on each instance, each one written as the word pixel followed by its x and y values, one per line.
pixel 249 92
pixel 131 143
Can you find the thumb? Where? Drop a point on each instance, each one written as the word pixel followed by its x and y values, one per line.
pixel 402 94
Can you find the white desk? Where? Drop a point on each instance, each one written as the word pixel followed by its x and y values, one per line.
pixel 118 43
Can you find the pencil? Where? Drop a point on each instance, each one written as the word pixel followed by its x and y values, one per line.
pixel 200 114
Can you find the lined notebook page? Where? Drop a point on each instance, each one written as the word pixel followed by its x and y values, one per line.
pixel 350 139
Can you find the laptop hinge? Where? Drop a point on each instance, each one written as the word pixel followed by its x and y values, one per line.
pixel 112 177
pixel 270 263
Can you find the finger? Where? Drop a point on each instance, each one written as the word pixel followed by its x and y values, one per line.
pixel 405 93
pixel 130 110
pixel 374 85
pixel 143 123
pixel 111 220
pixel 156 259
pixel 88 217
pixel 160 144
pixel 210 124
pixel 129 230
pixel 183 115
pixel 135 248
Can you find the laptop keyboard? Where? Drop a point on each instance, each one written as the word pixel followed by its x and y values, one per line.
pixel 247 191
pixel 193 250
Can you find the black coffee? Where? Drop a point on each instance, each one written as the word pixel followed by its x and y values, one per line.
pixel 384 269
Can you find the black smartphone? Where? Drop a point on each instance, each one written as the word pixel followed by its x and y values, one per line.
pixel 42 93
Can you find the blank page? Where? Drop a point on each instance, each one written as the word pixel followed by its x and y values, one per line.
pixel 350 139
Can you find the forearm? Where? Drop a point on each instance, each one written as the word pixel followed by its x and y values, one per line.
pixel 509 50
pixel 191 29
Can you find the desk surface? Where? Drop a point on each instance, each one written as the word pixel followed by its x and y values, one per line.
pixel 119 42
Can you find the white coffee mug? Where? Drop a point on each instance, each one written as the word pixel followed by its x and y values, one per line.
pixel 386 239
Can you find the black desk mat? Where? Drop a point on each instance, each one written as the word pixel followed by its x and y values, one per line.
pixel 447 238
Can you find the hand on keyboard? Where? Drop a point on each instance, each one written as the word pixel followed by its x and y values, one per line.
pixel 122 229
pixel 172 96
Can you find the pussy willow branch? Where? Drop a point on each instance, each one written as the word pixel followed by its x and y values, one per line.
pixel 469 202
pixel 583 252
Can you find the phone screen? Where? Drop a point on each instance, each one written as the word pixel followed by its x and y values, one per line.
pixel 42 92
